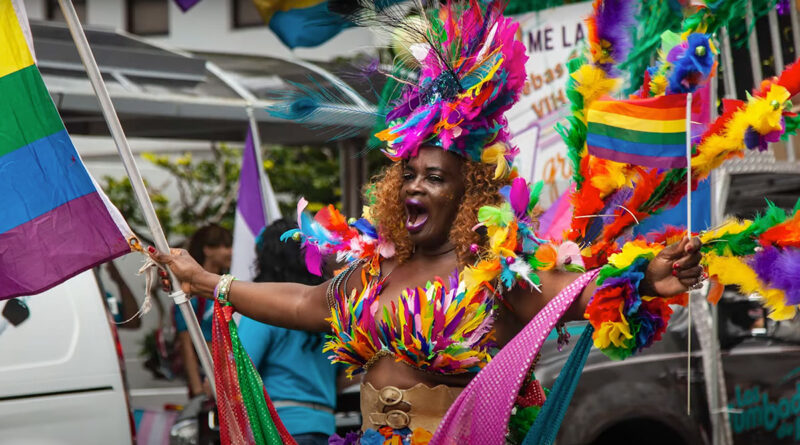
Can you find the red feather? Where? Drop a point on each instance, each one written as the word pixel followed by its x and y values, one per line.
pixel 790 78
pixel 729 107
pixel 332 219
pixel 786 234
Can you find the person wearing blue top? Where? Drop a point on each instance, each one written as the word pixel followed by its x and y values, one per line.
pixel 211 247
pixel 297 375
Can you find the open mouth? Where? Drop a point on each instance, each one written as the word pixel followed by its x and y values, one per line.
pixel 416 214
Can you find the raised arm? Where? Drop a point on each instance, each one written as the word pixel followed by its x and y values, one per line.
pixel 288 305
pixel 673 271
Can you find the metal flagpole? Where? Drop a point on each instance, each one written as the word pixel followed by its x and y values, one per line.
pixel 114 126
pixel 689 234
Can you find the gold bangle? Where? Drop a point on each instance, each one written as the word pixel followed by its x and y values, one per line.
pixel 223 288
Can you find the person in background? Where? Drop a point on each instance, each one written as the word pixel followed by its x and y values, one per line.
pixel 297 375
pixel 210 246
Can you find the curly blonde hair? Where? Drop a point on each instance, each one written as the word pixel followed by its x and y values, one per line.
pixel 388 213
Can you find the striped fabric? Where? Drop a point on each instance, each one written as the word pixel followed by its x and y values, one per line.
pixel 648 132
pixel 55 220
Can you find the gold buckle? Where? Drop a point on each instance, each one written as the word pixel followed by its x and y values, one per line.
pixel 390 395
pixel 397 419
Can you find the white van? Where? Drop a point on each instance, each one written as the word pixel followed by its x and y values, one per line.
pixel 61 380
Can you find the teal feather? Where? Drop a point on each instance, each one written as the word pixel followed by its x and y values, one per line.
pixel 324 109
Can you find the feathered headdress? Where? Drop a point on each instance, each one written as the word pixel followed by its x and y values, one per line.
pixel 472 70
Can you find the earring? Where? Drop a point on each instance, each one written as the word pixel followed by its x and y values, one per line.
pixel 563 335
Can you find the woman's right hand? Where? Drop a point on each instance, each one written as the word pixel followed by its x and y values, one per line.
pixel 182 265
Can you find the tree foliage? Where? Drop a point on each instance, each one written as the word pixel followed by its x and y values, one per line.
pixel 207 187
pixel 307 171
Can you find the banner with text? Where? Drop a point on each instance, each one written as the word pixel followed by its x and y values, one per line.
pixel 552 37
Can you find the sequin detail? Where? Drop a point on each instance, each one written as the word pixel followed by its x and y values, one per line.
pixel 475 418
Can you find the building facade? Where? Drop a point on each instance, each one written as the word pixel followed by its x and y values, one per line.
pixel 218 26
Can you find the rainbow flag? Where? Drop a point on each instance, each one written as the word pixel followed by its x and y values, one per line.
pixel 649 132
pixel 56 222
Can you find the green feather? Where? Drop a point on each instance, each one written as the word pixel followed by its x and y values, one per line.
pixel 496 216
pixel 536 192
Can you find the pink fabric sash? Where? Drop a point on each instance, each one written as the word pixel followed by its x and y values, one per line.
pixel 480 414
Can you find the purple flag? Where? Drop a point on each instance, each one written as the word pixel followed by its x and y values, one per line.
pixel 185 5
pixel 250 219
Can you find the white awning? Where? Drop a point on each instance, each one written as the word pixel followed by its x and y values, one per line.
pixel 159 93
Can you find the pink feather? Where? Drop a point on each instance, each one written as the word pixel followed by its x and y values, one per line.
pixel 313 259
pixel 519 197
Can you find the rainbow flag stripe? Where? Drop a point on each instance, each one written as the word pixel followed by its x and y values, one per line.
pixel 56 221
pixel 649 132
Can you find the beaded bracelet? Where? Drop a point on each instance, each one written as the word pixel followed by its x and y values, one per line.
pixel 624 321
pixel 223 288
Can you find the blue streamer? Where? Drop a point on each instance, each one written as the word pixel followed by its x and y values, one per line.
pixel 548 422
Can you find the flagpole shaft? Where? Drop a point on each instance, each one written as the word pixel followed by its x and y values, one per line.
pixel 689 235
pixel 114 126
pixel 689 164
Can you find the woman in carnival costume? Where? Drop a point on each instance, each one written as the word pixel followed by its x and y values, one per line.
pixel 445 268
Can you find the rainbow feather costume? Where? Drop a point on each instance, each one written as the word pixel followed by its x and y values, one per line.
pixel 436 328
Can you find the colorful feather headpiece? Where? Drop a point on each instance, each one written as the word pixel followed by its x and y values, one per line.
pixel 472 70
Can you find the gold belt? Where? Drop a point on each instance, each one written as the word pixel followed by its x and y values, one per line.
pixel 417 407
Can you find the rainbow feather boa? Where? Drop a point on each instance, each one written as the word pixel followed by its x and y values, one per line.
pixel 624 321
pixel 761 256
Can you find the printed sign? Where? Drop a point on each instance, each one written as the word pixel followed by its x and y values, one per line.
pixel 756 410
pixel 551 38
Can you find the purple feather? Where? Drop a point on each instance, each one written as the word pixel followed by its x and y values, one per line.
pixel 453 325
pixel 763 262
pixel 786 273
pixel 619 198
pixel 614 21
pixel 519 196
pixel 403 109
pixel 753 140
pixel 779 269
pixel 676 52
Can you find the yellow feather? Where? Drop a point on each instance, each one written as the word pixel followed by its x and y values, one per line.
pixel 730 227
pixel 495 154
pixel 630 251
pixel 658 85
pixel 764 114
pixel 484 272
pixel 613 177
pixel 734 271
pixel 592 83
pixel 612 333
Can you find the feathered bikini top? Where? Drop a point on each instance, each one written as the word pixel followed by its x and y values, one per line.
pixel 437 328
pixel 441 327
